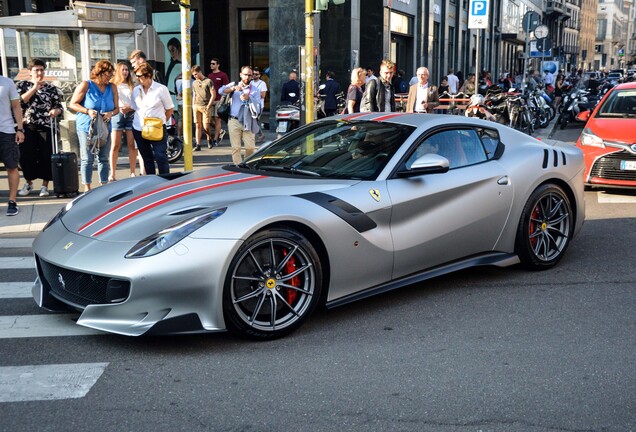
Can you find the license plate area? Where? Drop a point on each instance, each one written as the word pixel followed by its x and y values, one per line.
pixel 628 165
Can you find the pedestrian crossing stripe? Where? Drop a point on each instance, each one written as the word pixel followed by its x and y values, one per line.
pixel 48 382
pixel 10 263
pixel 16 242
pixel 50 325
pixel 15 290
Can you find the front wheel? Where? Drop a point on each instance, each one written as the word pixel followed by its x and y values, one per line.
pixel 545 228
pixel 273 285
pixel 174 149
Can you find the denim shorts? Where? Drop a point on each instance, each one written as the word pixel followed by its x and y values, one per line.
pixel 123 121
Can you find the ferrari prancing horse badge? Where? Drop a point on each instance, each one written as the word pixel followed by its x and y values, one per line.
pixel 375 194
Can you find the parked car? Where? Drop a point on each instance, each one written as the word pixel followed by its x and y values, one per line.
pixel 335 211
pixel 608 140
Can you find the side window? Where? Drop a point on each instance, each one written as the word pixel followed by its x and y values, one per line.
pixel 461 147
pixel 490 139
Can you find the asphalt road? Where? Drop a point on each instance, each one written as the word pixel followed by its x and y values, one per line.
pixel 481 350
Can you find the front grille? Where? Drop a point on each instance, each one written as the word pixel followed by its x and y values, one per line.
pixel 82 289
pixel 609 167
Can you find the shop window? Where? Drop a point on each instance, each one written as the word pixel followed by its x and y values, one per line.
pixel 257 19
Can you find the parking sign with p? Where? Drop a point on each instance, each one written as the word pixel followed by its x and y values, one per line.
pixel 478 14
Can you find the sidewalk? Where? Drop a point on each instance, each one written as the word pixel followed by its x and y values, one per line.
pixel 35 212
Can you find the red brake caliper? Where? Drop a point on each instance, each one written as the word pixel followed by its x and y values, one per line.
pixel 533 226
pixel 290 267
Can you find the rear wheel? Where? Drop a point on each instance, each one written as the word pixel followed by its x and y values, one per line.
pixel 273 284
pixel 545 228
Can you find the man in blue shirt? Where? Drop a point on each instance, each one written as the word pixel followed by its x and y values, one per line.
pixel 291 90
pixel 244 111
pixel 328 92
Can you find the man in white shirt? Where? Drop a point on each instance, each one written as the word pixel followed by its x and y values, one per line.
pixel 453 81
pixel 10 138
pixel 262 87
pixel 422 97
pixel 548 79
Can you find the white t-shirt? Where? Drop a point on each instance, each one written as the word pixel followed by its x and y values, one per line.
pixel 452 83
pixel 125 95
pixel 422 96
pixel 154 103
pixel 262 87
pixel 8 93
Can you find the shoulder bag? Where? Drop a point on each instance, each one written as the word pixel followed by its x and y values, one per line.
pixel 223 110
pixel 152 127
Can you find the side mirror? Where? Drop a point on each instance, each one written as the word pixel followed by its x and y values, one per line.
pixel 429 163
pixel 584 115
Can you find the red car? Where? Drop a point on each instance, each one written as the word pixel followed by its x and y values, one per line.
pixel 608 140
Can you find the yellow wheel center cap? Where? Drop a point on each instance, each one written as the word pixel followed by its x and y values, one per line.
pixel 270 283
pixel 544 226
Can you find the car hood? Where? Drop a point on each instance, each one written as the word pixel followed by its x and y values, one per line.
pixel 132 209
pixel 614 129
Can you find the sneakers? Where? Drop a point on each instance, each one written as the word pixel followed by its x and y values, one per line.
pixel 221 135
pixel 212 144
pixel 26 189
pixel 197 148
pixel 13 209
pixel 44 191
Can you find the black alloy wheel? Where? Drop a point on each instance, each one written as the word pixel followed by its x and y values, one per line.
pixel 545 228
pixel 273 284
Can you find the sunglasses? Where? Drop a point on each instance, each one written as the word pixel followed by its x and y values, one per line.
pixel 212 63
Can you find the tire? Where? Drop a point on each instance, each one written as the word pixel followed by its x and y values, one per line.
pixel 545 228
pixel 543 119
pixel 564 119
pixel 264 301
pixel 174 149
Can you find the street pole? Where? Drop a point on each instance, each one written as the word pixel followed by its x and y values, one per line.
pixel 309 61
pixel 184 6
pixel 477 73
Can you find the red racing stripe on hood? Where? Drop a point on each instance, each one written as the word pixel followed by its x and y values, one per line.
pixel 172 198
pixel 389 116
pixel 352 116
pixel 144 195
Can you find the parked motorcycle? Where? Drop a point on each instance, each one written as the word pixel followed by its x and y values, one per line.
pixel 287 117
pixel 573 103
pixel 477 108
pixel 175 144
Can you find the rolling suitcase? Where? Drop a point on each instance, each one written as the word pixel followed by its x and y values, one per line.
pixel 63 166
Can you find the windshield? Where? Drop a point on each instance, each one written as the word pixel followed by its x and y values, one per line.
pixel 619 104
pixel 333 149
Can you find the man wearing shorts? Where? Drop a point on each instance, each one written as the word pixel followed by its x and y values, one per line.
pixel 10 138
pixel 203 98
pixel 219 79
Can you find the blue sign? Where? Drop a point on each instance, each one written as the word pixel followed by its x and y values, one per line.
pixel 479 7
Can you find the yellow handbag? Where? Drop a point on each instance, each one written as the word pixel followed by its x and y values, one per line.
pixel 152 129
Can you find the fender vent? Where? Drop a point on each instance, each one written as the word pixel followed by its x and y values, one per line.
pixel 185 211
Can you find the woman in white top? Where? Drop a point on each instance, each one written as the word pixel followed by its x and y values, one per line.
pixel 151 99
pixel 123 121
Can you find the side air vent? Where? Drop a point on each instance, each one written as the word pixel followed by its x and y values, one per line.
pixel 186 211
pixel 545 158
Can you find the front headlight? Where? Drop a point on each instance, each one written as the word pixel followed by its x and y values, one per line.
pixel 166 238
pixel 589 139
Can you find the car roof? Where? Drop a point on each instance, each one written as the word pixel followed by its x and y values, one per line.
pixel 412 119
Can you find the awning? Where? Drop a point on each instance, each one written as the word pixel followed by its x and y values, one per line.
pixel 65 20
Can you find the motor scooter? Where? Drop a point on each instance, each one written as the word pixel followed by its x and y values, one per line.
pixel 287 117
pixel 175 144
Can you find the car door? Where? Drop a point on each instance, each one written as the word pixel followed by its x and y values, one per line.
pixel 438 218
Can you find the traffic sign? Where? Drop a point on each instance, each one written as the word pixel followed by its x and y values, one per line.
pixel 531 20
pixel 478 14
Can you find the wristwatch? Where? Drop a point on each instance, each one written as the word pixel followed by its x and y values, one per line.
pixel 20 130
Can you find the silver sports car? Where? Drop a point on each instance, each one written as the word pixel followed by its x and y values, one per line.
pixel 341 209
